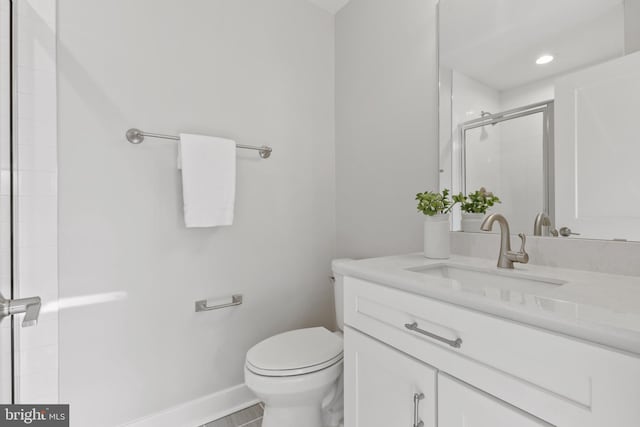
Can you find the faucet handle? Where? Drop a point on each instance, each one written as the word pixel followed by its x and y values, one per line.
pixel 523 237
pixel 522 256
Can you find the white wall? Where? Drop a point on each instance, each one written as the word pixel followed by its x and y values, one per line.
pixel 631 26
pixel 259 72
pixel 386 123
pixel 446 134
pixel 469 99
pixel 539 91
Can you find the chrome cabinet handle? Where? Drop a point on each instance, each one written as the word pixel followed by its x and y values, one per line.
pixel 29 306
pixel 414 327
pixel 417 422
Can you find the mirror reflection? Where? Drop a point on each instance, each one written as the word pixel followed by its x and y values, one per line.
pixel 537 106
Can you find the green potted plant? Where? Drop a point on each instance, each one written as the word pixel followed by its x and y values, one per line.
pixel 437 210
pixel 474 207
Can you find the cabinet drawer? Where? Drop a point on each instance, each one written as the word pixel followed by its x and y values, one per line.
pixel 537 358
pixel 458 404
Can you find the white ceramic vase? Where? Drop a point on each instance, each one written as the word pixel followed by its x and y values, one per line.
pixel 471 222
pixel 436 236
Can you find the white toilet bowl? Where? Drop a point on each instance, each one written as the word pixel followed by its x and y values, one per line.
pixel 296 374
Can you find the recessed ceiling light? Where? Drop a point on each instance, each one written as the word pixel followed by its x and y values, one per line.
pixel 544 59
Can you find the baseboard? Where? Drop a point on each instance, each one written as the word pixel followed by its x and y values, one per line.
pixel 200 411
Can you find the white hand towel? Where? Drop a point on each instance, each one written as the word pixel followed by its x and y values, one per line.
pixel 208 180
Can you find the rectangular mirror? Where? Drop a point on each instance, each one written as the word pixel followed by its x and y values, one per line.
pixel 537 105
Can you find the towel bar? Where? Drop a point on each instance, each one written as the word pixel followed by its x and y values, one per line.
pixel 202 304
pixel 136 136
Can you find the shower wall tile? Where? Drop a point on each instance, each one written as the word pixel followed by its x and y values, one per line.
pixel 5 214
pixel 36 231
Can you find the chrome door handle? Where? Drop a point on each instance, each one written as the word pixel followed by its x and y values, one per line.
pixel 29 306
pixel 417 422
pixel 566 232
pixel 414 327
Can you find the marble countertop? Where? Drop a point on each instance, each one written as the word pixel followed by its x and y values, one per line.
pixel 596 307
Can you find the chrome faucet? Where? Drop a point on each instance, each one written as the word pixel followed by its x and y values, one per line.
pixel 543 219
pixel 507 257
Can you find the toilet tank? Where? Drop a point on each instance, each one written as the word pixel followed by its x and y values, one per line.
pixel 338 296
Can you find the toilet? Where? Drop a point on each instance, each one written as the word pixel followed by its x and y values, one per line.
pixel 298 375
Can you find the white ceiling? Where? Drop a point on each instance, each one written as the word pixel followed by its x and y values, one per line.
pixel 497 41
pixel 332 6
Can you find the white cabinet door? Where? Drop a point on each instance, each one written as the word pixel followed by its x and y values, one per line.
pixel 381 385
pixel 460 405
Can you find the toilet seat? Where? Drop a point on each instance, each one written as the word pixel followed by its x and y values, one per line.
pixel 297 352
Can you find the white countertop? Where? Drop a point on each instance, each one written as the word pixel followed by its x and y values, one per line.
pixel 596 307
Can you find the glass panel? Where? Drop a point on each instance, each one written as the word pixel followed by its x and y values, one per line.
pixel 508 159
pixel 6 380
pixel 35 213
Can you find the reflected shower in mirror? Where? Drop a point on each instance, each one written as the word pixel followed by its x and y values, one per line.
pixel 536 105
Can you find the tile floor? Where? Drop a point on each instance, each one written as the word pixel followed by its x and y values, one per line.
pixel 249 417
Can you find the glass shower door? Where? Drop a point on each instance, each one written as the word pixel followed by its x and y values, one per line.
pixel 6 342
pixel 11 303
pixel 507 158
pixel 509 153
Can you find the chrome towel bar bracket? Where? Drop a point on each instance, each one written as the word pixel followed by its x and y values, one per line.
pixel 203 306
pixel 136 136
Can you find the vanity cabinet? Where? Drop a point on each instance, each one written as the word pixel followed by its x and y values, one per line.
pixel 460 405
pixel 478 367
pixel 384 387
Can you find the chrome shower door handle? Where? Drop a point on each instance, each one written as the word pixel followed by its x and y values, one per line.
pixel 29 306
pixel 417 422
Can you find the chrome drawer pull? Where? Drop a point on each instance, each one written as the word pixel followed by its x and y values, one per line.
pixel 417 397
pixel 414 327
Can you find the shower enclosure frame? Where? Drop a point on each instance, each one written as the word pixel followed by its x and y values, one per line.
pixel 546 108
pixel 29 229
pixel 8 288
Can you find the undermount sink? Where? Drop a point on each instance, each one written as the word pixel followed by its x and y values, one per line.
pixel 477 279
